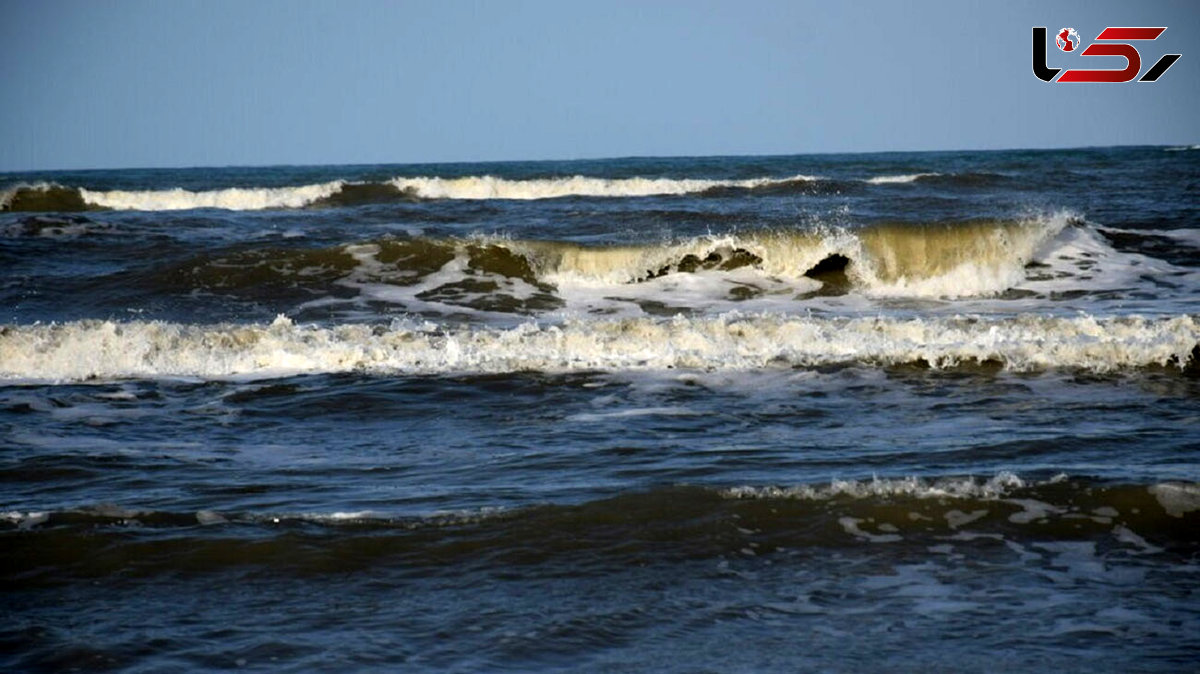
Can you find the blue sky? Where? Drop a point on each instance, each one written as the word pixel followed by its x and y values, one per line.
pixel 125 83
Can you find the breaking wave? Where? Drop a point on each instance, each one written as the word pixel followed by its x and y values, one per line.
pixel 42 196
pixel 234 198
pixel 491 187
pixel 105 350
pixel 954 259
pixel 54 197
pixel 973 258
pixel 898 179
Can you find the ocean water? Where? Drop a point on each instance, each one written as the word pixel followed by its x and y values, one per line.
pixel 870 412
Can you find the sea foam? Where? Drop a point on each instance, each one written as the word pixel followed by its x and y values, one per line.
pixel 106 350
pixel 299 196
pixel 899 179
pixel 491 187
pixel 234 198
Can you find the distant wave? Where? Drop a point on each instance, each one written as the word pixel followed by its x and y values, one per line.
pixel 234 198
pixel 42 196
pixel 54 197
pixel 491 187
pixel 896 179
pixel 967 179
pixel 1182 148
pixel 104 350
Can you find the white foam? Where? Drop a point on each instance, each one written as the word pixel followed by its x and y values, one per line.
pixel 208 518
pixel 899 179
pixel 1127 536
pixel 1177 498
pixel 467 187
pixel 25 520
pixel 415 297
pixel 706 291
pixel 1079 261
pixel 851 526
pixel 1032 510
pixel 1189 236
pixel 105 350
pixel 675 411
pixel 344 516
pixel 961 487
pixel 234 198
pixel 438 518
pixel 492 187
pixel 957 518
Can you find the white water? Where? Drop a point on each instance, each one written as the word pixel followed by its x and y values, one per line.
pixel 899 179
pixel 964 261
pixel 949 487
pixel 234 198
pixel 469 187
pixel 967 269
pixel 105 350
pixel 491 187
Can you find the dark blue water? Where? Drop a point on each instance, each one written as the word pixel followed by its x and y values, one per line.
pixel 827 412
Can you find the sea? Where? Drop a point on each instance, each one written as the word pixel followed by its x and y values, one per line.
pixel 903 412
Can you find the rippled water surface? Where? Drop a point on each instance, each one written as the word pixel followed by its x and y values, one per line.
pixel 839 413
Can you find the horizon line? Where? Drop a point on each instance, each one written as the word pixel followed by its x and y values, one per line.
pixel 576 159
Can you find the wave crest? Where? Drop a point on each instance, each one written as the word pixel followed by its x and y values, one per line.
pixel 948 260
pixel 233 198
pixel 975 258
pixel 899 179
pixel 86 350
pixel 43 196
pixel 54 197
pixel 492 187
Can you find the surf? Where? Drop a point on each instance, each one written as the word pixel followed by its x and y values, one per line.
pixel 56 197
pixel 106 350
pixel 961 259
